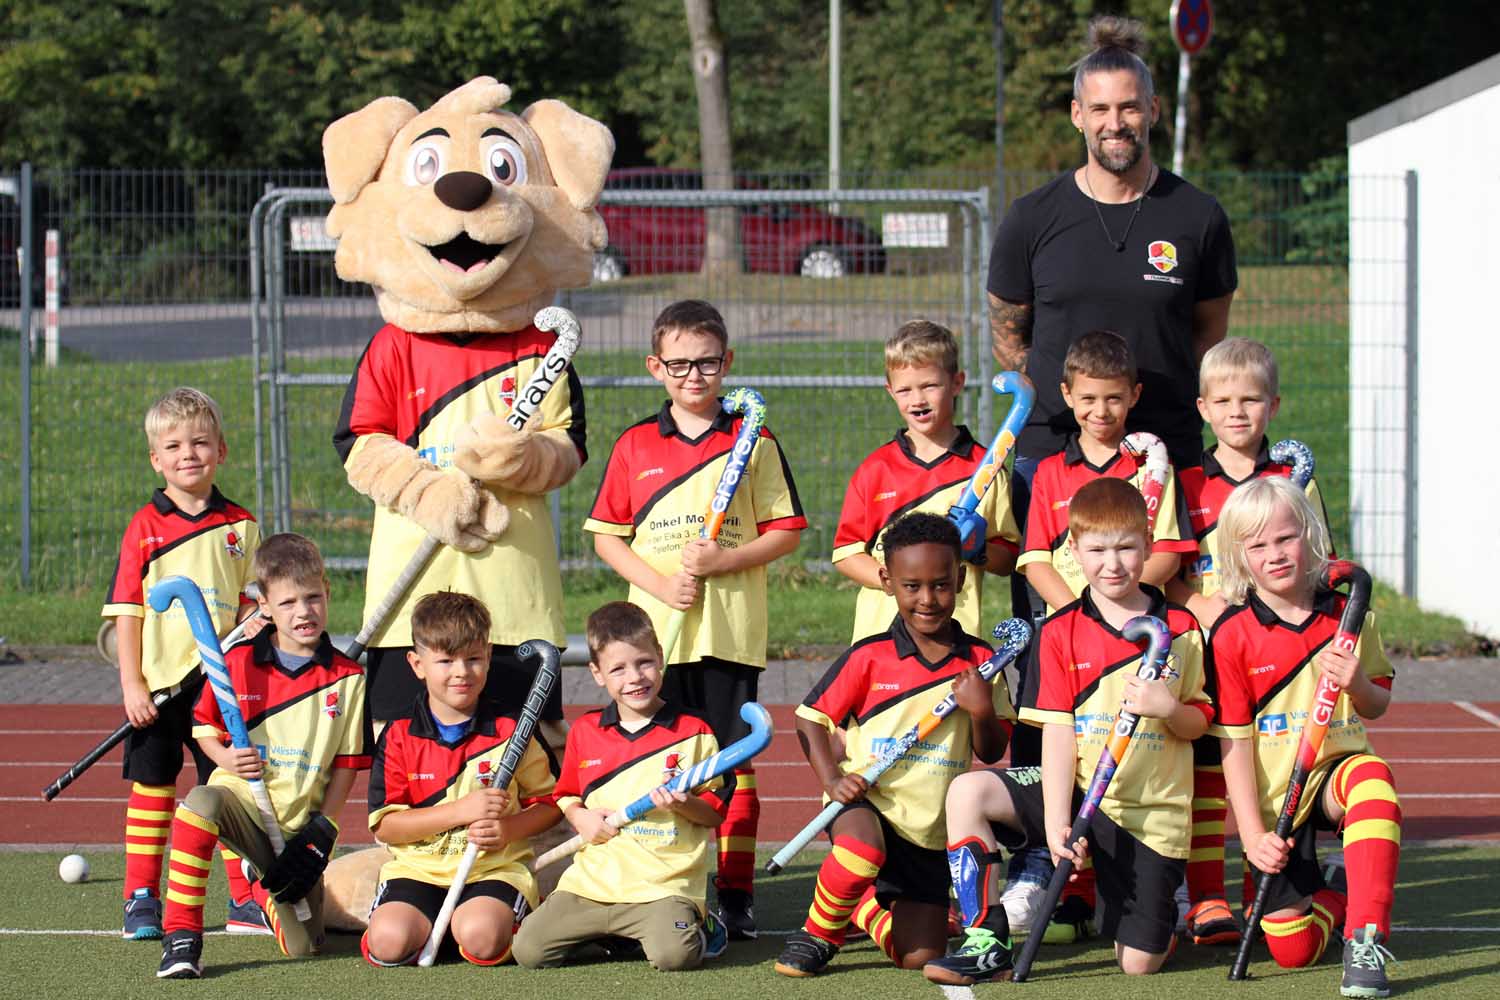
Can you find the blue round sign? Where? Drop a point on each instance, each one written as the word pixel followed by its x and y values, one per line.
pixel 1192 24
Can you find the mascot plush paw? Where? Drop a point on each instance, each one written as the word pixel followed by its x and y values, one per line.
pixel 526 461
pixel 448 507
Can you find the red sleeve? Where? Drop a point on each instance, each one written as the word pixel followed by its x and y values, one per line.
pixel 370 401
pixel 840 692
pixel 1222 663
pixel 1053 687
pixel 613 505
pixel 388 785
pixel 854 523
pixel 125 585
pixel 206 709
pixel 1041 518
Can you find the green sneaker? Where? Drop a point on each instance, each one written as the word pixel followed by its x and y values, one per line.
pixel 1072 922
pixel 981 958
pixel 1365 956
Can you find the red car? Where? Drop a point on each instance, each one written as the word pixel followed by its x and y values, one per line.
pixel 774 238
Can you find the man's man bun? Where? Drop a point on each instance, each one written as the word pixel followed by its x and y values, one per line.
pixel 1110 31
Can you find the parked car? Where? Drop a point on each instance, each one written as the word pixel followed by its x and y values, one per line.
pixel 773 238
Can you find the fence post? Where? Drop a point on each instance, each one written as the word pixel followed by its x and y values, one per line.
pixel 28 262
pixel 1409 561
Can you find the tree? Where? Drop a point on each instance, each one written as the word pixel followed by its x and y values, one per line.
pixel 711 80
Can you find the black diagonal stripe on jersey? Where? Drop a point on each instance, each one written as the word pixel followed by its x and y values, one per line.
pixel 1264 701
pixel 114 580
pixel 1053 544
pixel 458 391
pixel 614 772
pixel 901 696
pixel 438 796
pixel 252 722
pixel 669 486
pixel 604 480
pixel 1208 529
pixel 907 508
pixel 578 421
pixel 1088 690
pixel 791 485
pixel 343 431
pixel 158 553
pixel 831 675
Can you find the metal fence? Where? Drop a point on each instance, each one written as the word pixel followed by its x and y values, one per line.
pixel 161 288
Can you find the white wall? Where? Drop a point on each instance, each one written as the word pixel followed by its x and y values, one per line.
pixel 1455 151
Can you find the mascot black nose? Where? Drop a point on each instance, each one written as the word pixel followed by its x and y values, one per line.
pixel 463 190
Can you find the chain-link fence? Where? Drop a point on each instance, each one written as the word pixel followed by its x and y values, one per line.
pixel 158 292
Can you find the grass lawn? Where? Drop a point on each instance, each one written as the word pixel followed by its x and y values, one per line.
pixel 1440 887
pixel 90 470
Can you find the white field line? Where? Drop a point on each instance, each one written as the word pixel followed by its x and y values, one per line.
pixel 1479 713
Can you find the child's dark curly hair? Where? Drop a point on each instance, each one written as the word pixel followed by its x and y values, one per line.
pixel 915 529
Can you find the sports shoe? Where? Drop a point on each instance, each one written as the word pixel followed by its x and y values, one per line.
pixel 715 936
pixel 805 955
pixel 142 916
pixel 981 958
pixel 1070 923
pixel 247 918
pixel 1021 900
pixel 737 911
pixel 1365 956
pixel 1210 921
pixel 181 956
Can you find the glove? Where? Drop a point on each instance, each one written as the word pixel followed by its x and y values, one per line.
pixel 299 866
pixel 526 461
pixel 973 533
pixel 448 507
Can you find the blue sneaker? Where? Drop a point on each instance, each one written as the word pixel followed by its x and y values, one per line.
pixel 142 916
pixel 715 936
pixel 181 956
pixel 247 918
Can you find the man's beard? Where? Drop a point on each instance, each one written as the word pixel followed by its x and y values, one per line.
pixel 1118 163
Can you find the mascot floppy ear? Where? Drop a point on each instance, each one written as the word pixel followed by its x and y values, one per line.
pixel 354 147
pixel 578 149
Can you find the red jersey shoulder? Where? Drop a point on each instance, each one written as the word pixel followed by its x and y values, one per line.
pixel 1180 620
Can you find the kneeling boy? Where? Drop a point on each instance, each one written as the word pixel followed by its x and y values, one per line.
pixel 432 794
pixel 887 873
pixel 1083 672
pixel 647 882
pixel 304 703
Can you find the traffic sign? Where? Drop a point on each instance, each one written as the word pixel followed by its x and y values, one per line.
pixel 1192 24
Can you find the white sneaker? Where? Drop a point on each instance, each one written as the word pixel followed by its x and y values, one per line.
pixel 1022 901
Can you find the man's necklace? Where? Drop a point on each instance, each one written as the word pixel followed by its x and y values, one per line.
pixel 1119 244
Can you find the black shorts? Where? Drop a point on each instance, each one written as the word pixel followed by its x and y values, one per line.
pixel 392 686
pixel 1302 875
pixel 714 689
pixel 153 755
pixel 915 874
pixel 429 898
pixel 1135 883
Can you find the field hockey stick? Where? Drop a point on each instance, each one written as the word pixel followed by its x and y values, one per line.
pixel 1153 664
pixel 186 592
pixel 1297 455
pixel 1325 699
pixel 1013 634
pixel 548 669
pixel 752 405
pixel 1023 397
pixel 158 699
pixel 554 364
pixel 726 760
pixel 1143 444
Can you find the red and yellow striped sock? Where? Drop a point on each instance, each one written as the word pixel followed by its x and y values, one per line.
pixel 737 835
pixel 1364 787
pixel 847 872
pixel 193 839
pixel 239 885
pixel 268 906
pixel 874 920
pixel 1205 867
pixel 1299 942
pixel 148 822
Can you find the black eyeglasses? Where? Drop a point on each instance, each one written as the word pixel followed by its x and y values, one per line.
pixel 679 367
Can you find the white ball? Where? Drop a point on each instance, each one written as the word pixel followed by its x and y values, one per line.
pixel 73 868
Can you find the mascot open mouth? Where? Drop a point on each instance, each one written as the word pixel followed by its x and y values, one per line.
pixel 465 254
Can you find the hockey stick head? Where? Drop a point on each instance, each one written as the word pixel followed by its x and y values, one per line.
pixel 1017 386
pixel 1155 633
pixel 751 405
pixel 1337 573
pixel 549 667
pixel 556 319
pixel 186 592
pixel 1297 455
pixel 759 721
pixel 1144 444
pixel 1012 634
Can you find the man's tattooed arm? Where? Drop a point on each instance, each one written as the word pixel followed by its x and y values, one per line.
pixel 1010 332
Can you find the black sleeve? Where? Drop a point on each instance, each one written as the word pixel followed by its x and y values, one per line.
pixel 1219 275
pixel 1010 257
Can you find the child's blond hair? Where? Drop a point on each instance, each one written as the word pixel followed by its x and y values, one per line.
pixel 919 344
pixel 1240 356
pixel 183 405
pixel 449 622
pixel 287 556
pixel 1246 512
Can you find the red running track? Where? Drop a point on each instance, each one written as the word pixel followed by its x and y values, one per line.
pixel 1446 760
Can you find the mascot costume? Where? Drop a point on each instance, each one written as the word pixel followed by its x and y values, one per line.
pixel 465 219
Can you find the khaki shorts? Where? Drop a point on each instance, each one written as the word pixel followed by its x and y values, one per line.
pixel 669 930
